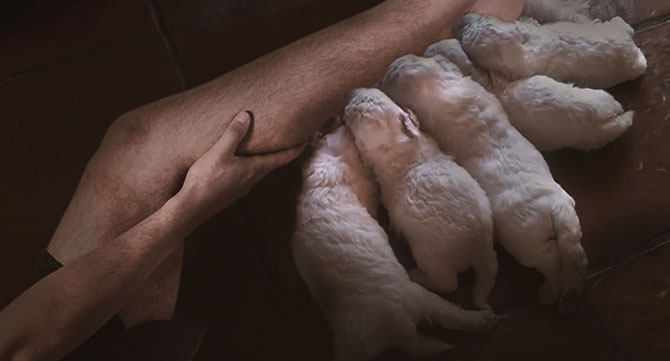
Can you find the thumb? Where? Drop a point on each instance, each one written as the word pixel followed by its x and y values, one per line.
pixel 268 162
pixel 236 131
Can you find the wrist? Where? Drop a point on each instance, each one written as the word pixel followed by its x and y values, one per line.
pixel 185 210
pixel 196 204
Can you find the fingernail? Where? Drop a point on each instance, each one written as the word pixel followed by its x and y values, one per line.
pixel 243 117
pixel 250 114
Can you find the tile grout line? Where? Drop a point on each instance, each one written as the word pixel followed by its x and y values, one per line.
pixel 658 80
pixel 169 44
pixel 625 257
pixel 609 338
pixel 641 27
pixel 652 23
pixel 73 59
pixel 228 13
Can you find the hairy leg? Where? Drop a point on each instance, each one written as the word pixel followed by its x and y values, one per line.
pixel 145 153
pixel 113 195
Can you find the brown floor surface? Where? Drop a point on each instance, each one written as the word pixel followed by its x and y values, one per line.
pixel 71 67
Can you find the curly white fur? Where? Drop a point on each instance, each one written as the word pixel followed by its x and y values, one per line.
pixel 344 257
pixel 550 114
pixel 597 55
pixel 554 115
pixel 452 50
pixel 534 217
pixel 441 210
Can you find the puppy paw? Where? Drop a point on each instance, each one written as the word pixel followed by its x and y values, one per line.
pixel 483 305
pixel 569 302
pixel 418 276
pixel 486 321
pixel 443 284
pixel 549 293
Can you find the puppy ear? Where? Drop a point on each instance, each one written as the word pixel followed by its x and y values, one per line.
pixel 330 126
pixel 335 140
pixel 410 123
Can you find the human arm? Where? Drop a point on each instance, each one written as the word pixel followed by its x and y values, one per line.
pixel 59 312
pixel 293 90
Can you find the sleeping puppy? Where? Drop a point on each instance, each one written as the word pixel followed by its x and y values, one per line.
pixel 550 114
pixel 344 257
pixel 554 115
pixel 443 212
pixel 597 55
pixel 534 217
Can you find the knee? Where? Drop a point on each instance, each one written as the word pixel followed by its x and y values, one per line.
pixel 130 129
pixel 136 153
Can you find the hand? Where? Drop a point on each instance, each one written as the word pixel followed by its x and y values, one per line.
pixel 219 177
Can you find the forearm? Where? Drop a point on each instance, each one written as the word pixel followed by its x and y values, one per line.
pixel 63 309
pixel 293 90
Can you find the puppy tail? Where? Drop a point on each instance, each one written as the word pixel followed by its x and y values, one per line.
pixel 573 258
pixel 366 327
pixel 436 309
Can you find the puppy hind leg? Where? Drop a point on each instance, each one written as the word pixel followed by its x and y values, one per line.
pixel 548 262
pixel 573 258
pixel 446 282
pixel 540 252
pixel 406 338
pixel 450 316
pixel 486 270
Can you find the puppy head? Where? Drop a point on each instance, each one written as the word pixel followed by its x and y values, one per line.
pixel 376 121
pixel 451 49
pixel 339 141
pixel 464 24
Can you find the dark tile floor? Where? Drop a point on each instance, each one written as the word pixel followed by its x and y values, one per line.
pixel 71 67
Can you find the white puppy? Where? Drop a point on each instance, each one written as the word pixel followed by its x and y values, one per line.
pixel 344 257
pixel 597 55
pixel 554 115
pixel 452 50
pixel 441 210
pixel 550 114
pixel 534 217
